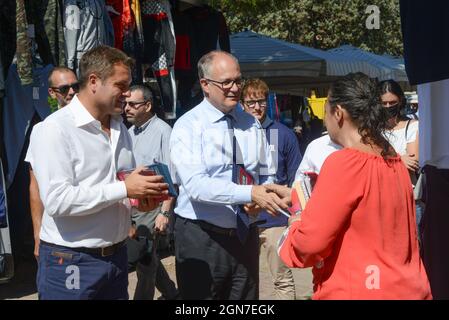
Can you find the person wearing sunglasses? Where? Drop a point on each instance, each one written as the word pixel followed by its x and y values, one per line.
pixel 62 85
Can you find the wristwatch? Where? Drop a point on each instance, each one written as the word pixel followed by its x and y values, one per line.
pixel 165 213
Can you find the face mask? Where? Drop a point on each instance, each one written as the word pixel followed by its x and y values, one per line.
pixel 393 111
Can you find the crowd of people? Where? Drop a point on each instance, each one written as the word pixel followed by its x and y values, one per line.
pixel 234 168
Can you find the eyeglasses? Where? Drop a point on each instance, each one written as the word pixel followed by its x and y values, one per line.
pixel 136 105
pixel 64 90
pixel 227 84
pixel 252 103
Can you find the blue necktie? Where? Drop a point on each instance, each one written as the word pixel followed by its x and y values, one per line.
pixel 242 217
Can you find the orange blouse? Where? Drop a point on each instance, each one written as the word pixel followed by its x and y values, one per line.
pixel 358 231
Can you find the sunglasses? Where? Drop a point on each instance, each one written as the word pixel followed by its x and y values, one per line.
pixel 64 90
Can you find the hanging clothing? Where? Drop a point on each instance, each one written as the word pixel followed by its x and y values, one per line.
pixel 186 62
pixel 133 40
pixel 20 104
pixel 86 26
pixel 23 49
pixel 159 48
pixel 210 27
pixel 135 9
pixel 54 31
pixel 199 30
pixel 186 46
pixel 46 18
pixel 122 19
pixel 8 34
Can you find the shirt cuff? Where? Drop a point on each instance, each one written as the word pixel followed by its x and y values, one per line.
pixel 242 194
pixel 116 191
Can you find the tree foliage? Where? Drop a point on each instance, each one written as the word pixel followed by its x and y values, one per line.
pixel 321 24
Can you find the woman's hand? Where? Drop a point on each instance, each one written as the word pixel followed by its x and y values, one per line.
pixel 411 162
pixel 281 191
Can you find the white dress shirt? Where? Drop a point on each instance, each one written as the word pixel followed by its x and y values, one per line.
pixel 316 153
pixel 201 151
pixel 75 163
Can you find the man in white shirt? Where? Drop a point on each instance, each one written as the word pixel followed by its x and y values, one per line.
pixel 76 154
pixel 211 146
pixel 316 153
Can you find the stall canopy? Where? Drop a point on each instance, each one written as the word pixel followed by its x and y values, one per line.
pixel 382 67
pixel 295 69
pixel 287 67
pixel 262 56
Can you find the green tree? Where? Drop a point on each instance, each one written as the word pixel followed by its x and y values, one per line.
pixel 322 24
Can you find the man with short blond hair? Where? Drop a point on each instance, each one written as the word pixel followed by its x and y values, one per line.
pixel 285 152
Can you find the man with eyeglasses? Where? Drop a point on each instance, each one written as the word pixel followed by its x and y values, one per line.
pixel 62 85
pixel 287 157
pixel 150 137
pixel 217 149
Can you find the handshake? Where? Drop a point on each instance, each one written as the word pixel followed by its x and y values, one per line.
pixel 273 198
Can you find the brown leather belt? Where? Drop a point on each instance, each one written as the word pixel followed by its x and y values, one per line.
pixel 103 252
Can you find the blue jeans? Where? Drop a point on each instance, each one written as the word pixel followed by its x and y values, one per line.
pixel 64 274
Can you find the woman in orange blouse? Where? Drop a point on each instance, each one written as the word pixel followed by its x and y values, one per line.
pixel 358 228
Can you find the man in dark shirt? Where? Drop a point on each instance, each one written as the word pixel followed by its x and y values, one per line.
pixel 286 155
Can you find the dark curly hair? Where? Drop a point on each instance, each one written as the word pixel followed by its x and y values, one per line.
pixel 360 97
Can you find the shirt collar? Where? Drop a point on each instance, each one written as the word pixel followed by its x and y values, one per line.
pixel 213 114
pixel 142 128
pixel 267 122
pixel 83 117
pixel 80 113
